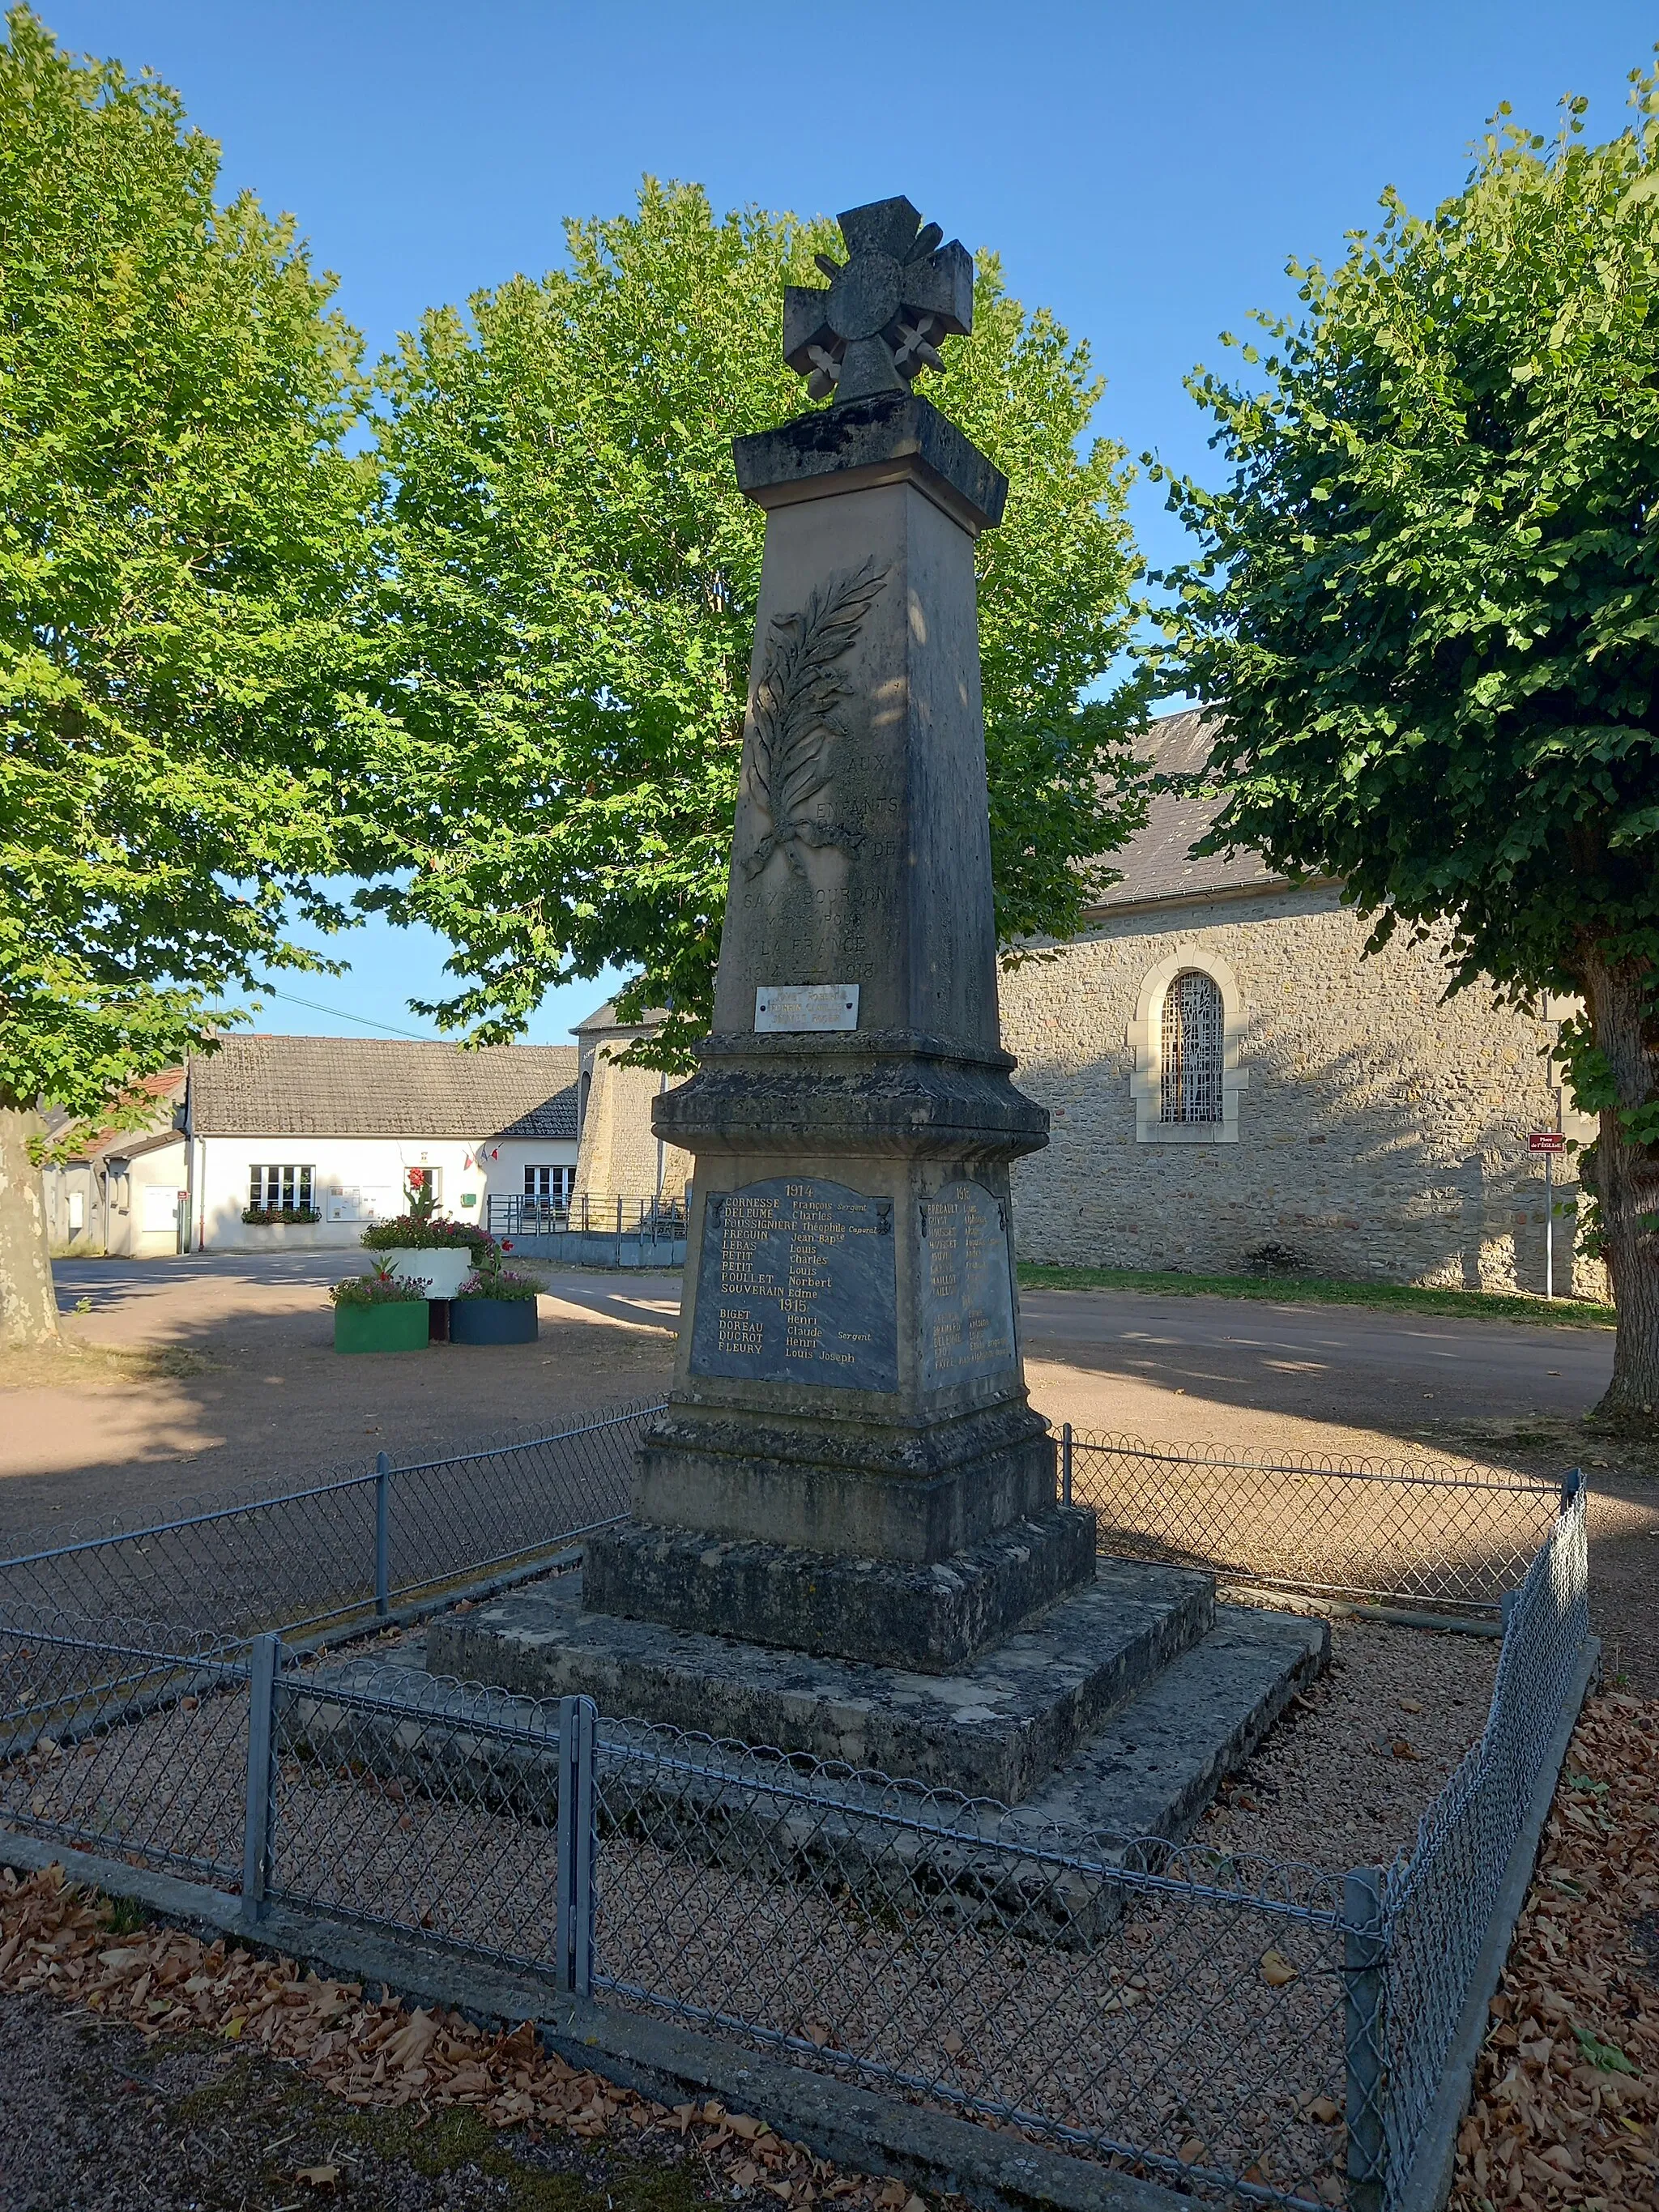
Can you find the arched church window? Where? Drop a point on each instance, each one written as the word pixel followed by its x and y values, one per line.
pixel 1194 1045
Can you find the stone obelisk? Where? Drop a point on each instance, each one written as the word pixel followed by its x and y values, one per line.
pixel 848 1463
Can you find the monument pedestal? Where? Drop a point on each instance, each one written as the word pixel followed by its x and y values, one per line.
pixel 848 1463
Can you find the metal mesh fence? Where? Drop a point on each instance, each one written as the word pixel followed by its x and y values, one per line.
pixel 1237 2027
pixel 338 1547
pixel 1438 1901
pixel 112 1736
pixel 462 1517
pixel 1446 1534
pixel 1155 2006
pixel 434 1811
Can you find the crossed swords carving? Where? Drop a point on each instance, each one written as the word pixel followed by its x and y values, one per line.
pixel 898 292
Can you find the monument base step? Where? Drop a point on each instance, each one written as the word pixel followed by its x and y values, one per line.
pixel 933 1620
pixel 995 1728
pixel 1157 1763
pixel 1139 1784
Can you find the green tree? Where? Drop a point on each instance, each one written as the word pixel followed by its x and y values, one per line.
pixel 180 534
pixel 575 583
pixel 1428 610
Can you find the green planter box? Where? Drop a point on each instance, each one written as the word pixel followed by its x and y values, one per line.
pixel 396 1328
pixel 492 1321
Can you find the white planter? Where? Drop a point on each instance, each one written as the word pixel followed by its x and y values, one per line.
pixel 444 1267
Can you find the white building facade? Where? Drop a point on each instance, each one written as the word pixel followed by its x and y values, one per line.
pixel 339 1125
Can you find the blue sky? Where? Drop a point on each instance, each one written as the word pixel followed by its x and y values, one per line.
pixel 1144 170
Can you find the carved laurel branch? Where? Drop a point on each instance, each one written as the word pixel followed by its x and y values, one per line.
pixel 796 713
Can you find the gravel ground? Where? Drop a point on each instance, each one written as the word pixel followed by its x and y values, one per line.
pixel 1362 1753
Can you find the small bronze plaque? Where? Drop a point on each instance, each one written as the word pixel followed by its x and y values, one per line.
pixel 796 1284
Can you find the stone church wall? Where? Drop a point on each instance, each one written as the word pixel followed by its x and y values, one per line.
pixel 617 1155
pixel 1379 1133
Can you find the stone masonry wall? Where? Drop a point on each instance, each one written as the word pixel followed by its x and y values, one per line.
pixel 617 1154
pixel 1382 1134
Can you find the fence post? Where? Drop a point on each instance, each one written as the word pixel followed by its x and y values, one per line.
pixel 1064 1462
pixel 578 1847
pixel 383 1534
pixel 1365 1991
pixel 265 1664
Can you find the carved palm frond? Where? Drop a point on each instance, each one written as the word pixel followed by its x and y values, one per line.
pixel 795 711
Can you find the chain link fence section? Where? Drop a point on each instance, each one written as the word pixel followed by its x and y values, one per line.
pixel 348 1544
pixel 1164 2008
pixel 1143 2004
pixel 1440 1535
pixel 114 1738
pixel 463 1518
pixel 1438 1903
pixel 434 1811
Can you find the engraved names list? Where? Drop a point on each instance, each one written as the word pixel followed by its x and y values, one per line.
pixel 796 1283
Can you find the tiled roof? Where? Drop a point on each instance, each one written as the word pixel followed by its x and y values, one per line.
pixel 312 1086
pixel 1155 864
pixel 93 1139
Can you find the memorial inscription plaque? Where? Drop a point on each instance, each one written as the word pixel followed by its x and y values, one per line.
pixel 967 1286
pixel 796 1283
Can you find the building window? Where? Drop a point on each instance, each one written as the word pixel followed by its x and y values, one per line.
pixel 1194 1051
pixel 281 1186
pixel 550 1186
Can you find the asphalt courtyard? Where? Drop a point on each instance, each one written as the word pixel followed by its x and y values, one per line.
pixel 258 1392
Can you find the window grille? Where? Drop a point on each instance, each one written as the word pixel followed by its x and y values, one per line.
pixel 1193 1048
pixel 281 1186
pixel 551 1186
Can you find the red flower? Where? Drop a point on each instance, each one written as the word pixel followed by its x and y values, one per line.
pixel 507 1244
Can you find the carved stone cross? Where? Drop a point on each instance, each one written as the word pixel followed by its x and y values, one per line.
pixel 898 292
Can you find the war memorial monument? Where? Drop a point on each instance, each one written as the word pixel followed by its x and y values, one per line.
pixel 845 1537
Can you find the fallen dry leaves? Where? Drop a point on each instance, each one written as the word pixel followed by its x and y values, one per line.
pixel 57 1939
pixel 1567 2089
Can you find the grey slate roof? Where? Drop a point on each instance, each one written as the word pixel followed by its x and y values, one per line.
pixel 1155 864
pixel 311 1086
pixel 603 1021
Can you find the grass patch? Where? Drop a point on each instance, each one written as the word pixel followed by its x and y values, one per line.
pixel 68 1366
pixel 259 2102
pixel 1321 1290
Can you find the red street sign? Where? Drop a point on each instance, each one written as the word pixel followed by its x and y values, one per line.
pixel 1546 1141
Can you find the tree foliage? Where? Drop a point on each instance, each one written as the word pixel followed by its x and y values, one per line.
pixel 1428 608
pixel 182 534
pixel 575 583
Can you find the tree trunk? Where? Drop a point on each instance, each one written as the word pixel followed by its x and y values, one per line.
pixel 28 1303
pixel 1626 1184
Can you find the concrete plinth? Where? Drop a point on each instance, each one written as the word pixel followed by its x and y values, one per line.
pixel 930 1618
pixel 995 1727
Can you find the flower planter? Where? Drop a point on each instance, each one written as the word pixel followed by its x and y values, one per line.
pixel 399 1325
pixel 493 1321
pixel 442 1267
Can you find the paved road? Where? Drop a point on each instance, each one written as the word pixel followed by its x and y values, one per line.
pixel 1349 1366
